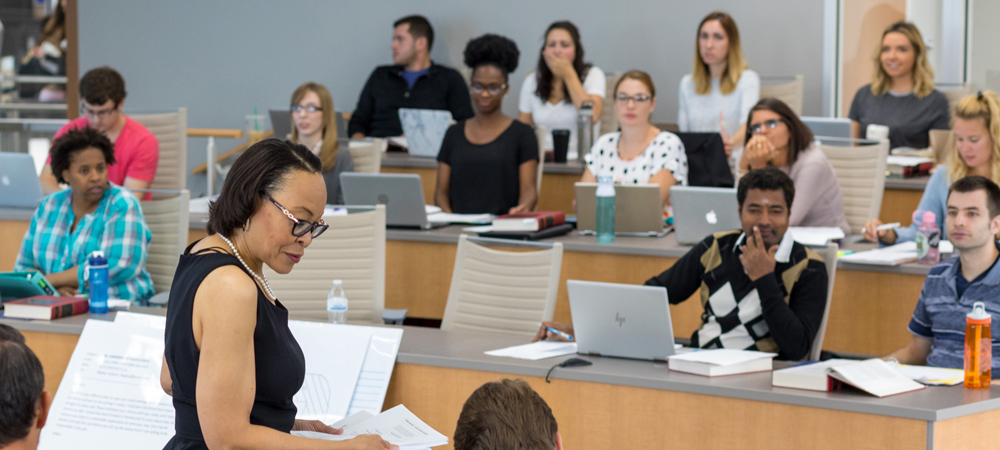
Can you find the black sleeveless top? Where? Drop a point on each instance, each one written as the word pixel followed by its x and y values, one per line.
pixel 279 363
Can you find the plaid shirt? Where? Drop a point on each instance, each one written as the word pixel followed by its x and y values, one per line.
pixel 117 228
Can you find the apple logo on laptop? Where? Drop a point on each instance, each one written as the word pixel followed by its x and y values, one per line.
pixel 5 180
pixel 383 199
pixel 711 218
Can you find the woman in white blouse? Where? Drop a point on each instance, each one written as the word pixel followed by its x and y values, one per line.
pixel 719 92
pixel 640 153
pixel 553 93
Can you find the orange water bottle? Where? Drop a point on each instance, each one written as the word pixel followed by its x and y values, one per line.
pixel 978 348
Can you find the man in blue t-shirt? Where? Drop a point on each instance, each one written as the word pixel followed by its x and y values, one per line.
pixel 951 287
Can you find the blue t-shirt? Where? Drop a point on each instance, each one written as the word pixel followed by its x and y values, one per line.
pixel 961 283
pixel 411 77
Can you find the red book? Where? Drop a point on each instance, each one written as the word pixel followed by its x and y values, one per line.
pixel 45 307
pixel 529 221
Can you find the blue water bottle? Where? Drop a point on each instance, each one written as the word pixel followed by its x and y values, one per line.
pixel 605 210
pixel 97 277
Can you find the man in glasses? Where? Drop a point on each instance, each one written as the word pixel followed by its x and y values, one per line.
pixel 137 152
pixel 413 81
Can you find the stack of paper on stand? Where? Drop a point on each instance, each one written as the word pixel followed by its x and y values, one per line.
pixel 712 363
pixel 536 350
pixel 875 377
pixel 931 376
pixel 459 218
pixel 816 236
pixel 893 255
pixel 398 426
pixel 811 375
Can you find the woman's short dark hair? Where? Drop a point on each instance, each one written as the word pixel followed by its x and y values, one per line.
pixel 544 75
pixel 73 141
pixel 800 136
pixel 259 170
pixel 492 50
pixel 102 84
pixel 22 382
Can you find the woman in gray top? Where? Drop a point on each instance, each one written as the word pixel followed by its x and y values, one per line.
pixel 901 95
pixel 314 126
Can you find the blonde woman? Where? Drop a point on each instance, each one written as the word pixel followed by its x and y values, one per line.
pixel 901 95
pixel 719 92
pixel 314 126
pixel 976 151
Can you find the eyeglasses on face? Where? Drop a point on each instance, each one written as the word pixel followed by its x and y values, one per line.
pixel 770 124
pixel 638 98
pixel 298 108
pixel 100 114
pixel 477 89
pixel 301 227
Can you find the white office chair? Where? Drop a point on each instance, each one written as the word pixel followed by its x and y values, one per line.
pixel 860 172
pixel 790 93
pixel 609 121
pixel 502 292
pixel 367 157
pixel 170 130
pixel 352 250
pixel 829 254
pixel 168 222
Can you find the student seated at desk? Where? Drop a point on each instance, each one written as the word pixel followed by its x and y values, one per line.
pixel 489 163
pixel 506 415
pixel 136 150
pixel 640 153
pixel 975 150
pixel 952 286
pixel 776 137
pixel 314 125
pixel 92 215
pixel 24 402
pixel 760 289
pixel 413 81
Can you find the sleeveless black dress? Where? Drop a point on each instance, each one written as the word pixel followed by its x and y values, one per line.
pixel 279 363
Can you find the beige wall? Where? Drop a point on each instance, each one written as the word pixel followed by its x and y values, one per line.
pixel 984 38
pixel 864 21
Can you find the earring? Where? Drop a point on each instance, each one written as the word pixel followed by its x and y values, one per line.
pixel 246 225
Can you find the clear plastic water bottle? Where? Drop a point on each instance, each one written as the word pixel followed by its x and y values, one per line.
pixel 336 303
pixel 97 279
pixel 605 210
pixel 585 128
pixel 928 238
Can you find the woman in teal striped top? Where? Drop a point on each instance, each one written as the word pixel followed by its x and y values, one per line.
pixel 92 215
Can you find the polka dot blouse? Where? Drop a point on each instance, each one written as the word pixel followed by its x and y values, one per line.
pixel 665 152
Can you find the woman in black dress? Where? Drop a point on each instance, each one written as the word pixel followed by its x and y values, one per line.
pixel 230 362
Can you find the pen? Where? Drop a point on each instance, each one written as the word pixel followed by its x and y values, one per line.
pixel 560 333
pixel 887 226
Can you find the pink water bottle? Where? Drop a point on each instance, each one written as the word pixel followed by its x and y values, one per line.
pixel 928 238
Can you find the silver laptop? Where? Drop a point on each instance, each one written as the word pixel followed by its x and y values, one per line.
pixel 424 130
pixel 281 123
pixel 402 195
pixel 837 127
pixel 701 211
pixel 638 210
pixel 19 185
pixel 621 320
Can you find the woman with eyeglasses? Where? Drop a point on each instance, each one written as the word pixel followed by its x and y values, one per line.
pixel 489 163
pixel 776 137
pixel 560 84
pixel 230 363
pixel 640 153
pixel 314 125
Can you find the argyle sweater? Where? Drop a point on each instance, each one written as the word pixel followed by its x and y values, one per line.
pixel 780 312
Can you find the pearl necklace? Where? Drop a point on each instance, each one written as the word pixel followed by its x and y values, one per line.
pixel 263 281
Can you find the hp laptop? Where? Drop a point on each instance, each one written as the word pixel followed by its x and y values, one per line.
pixel 701 211
pixel 424 130
pixel 638 210
pixel 621 320
pixel 19 185
pixel 402 195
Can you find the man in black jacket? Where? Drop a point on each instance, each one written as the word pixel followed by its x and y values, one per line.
pixel 414 81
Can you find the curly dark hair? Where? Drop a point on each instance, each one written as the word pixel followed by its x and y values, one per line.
pixel 73 141
pixel 102 84
pixel 493 50
pixel 543 75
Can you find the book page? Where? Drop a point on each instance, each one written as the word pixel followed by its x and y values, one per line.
pixel 875 377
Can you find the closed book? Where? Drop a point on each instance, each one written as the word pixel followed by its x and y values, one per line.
pixel 908 166
pixel 529 221
pixel 810 376
pixel 557 230
pixel 718 362
pixel 45 307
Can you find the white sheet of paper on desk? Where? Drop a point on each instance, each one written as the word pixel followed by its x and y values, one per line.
pixel 459 218
pixel 906 161
pixel 816 235
pixel 722 356
pixel 893 254
pixel 334 355
pixel 479 229
pixel 110 395
pixel 398 426
pixel 536 350
pixel 931 375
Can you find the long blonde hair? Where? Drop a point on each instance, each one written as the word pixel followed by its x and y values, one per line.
pixel 735 64
pixel 923 75
pixel 983 106
pixel 328 152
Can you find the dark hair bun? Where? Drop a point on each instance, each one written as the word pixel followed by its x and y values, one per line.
pixel 492 49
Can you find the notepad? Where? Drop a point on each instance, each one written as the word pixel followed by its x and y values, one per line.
pixel 931 376
pixel 893 254
pixel 723 361
pixel 536 350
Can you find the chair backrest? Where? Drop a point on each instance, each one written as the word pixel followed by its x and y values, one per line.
pixel 367 157
pixel 790 93
pixel 170 130
pixel 352 250
pixel 503 292
pixel 609 121
pixel 955 94
pixel 540 132
pixel 168 222
pixel 829 254
pixel 860 172
pixel 941 141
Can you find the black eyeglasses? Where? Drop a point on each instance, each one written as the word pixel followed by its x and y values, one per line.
pixel 301 227
pixel 297 108
pixel 477 89
pixel 638 98
pixel 770 124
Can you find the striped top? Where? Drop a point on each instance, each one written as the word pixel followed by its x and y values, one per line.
pixel 117 228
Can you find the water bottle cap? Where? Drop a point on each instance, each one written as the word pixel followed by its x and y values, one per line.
pixel 978 316
pixel 338 282
pixel 930 217
pixel 97 258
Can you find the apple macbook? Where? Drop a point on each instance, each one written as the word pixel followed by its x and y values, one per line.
pixel 424 130
pixel 402 195
pixel 638 210
pixel 836 127
pixel 621 320
pixel 19 185
pixel 701 211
